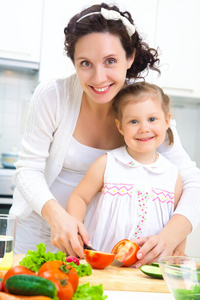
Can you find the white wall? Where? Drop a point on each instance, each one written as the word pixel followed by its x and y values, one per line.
pixel 16 89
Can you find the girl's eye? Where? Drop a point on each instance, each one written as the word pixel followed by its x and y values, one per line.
pixel 133 121
pixel 110 61
pixel 152 119
pixel 85 63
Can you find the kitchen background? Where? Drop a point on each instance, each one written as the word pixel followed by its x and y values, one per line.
pixel 31 50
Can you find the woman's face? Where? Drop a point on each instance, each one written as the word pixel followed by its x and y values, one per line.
pixel 101 65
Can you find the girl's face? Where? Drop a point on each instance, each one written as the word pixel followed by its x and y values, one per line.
pixel 143 125
pixel 101 65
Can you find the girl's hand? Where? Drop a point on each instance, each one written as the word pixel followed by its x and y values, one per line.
pixel 170 240
pixel 67 233
pixel 151 249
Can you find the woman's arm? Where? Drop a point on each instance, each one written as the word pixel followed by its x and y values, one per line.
pixel 38 136
pixel 45 112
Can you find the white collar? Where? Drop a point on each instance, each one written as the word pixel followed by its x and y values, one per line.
pixel 160 166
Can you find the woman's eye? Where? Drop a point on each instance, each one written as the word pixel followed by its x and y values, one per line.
pixel 110 61
pixel 85 63
pixel 152 119
pixel 133 121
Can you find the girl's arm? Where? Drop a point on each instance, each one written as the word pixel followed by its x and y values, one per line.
pixel 89 186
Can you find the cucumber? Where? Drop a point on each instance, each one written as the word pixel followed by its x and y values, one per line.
pixel 30 285
pixel 155 264
pixel 152 271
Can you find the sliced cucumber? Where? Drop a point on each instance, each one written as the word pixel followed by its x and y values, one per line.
pixel 152 271
pixel 155 264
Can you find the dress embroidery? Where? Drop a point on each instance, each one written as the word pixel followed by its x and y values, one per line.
pixel 141 197
pixel 117 189
pixel 162 195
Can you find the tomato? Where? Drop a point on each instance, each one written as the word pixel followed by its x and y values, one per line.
pixel 14 271
pixel 61 271
pixel 50 265
pixel 126 251
pixel 65 290
pixel 97 259
pixel 72 276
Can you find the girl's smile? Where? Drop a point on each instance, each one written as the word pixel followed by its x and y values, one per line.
pixel 143 126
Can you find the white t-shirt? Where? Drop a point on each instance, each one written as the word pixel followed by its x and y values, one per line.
pixel 34 229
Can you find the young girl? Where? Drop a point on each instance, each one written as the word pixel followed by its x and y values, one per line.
pixel 134 189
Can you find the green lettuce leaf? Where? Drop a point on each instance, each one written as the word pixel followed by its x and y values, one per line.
pixel 81 269
pixel 87 292
pixel 33 260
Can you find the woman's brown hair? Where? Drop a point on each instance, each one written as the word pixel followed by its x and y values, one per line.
pixel 145 58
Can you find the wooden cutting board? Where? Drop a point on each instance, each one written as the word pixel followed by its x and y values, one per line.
pixel 119 279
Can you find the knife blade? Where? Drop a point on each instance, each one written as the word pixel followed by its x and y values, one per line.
pixel 115 263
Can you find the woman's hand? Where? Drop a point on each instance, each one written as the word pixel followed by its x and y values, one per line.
pixel 67 233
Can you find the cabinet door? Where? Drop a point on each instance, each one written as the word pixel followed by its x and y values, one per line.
pixel 178 37
pixel 20 29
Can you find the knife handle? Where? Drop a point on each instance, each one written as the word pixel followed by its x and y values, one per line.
pixel 88 247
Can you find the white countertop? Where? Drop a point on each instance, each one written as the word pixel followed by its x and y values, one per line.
pixel 6 171
pixel 119 295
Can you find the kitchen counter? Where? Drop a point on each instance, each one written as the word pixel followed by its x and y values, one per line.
pixel 127 295
pixel 124 283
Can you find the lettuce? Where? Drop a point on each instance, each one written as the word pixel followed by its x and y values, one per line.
pixel 81 269
pixel 33 260
pixel 84 291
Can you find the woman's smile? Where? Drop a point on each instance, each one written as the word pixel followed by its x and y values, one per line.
pixel 101 70
pixel 102 90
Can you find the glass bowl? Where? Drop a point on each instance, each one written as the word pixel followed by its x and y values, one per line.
pixel 182 276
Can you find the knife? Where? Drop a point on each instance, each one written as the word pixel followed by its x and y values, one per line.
pixel 115 263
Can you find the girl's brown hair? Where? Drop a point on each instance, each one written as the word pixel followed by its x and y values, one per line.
pixel 146 58
pixel 136 90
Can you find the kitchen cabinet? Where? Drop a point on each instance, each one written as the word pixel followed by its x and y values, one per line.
pixel 21 29
pixel 178 37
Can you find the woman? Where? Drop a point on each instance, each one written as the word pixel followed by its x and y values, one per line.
pixel 70 123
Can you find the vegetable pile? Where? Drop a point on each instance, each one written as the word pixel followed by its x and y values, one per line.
pixel 43 275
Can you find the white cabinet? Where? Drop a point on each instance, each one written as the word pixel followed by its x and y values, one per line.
pixel 21 29
pixel 178 37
